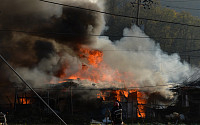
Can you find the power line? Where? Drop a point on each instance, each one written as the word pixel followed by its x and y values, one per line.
pixel 72 35
pixel 188 51
pixel 128 88
pixel 127 50
pixel 133 51
pixel 178 1
pixel 119 15
pixel 182 7
pixel 192 56
pixel 63 34
pixel 31 89
pixel 178 7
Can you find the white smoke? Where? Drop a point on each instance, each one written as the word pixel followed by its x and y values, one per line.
pixel 143 58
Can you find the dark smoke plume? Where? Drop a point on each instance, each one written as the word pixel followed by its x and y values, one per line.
pixel 66 25
pixel 49 23
pixel 55 34
pixel 50 35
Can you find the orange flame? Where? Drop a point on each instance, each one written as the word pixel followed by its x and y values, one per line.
pixel 96 70
pixel 93 56
pixel 120 94
pixel 141 102
pixel 24 101
pixel 93 72
pixel 101 95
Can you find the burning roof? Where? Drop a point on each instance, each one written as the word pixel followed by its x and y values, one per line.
pixel 63 47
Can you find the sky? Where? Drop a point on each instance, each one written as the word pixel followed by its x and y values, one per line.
pixel 176 4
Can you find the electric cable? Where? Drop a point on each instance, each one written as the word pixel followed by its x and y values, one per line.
pixel 63 34
pixel 118 15
pixel 182 7
pixel 178 0
pixel 128 88
pixel 31 88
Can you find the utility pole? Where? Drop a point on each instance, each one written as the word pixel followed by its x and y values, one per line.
pixel 138 11
pixel 71 101
pixel 145 3
pixel 189 59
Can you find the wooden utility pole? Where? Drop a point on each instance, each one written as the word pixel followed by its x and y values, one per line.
pixel 138 12
pixel 71 100
pixel 145 3
pixel 189 59
pixel 15 102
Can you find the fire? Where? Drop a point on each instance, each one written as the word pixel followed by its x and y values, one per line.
pixel 94 69
pixel 93 56
pixel 141 101
pixel 120 94
pixel 141 104
pixel 102 95
pixel 24 101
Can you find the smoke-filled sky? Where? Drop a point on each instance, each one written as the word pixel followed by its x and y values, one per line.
pixel 39 57
pixel 30 50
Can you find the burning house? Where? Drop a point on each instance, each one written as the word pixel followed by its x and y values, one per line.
pixel 52 43
pixel 76 103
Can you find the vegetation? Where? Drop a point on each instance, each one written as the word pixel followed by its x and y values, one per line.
pixel 158 29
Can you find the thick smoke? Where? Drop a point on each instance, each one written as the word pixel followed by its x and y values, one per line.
pixel 64 24
pixel 57 32
pixel 144 58
pixel 47 36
